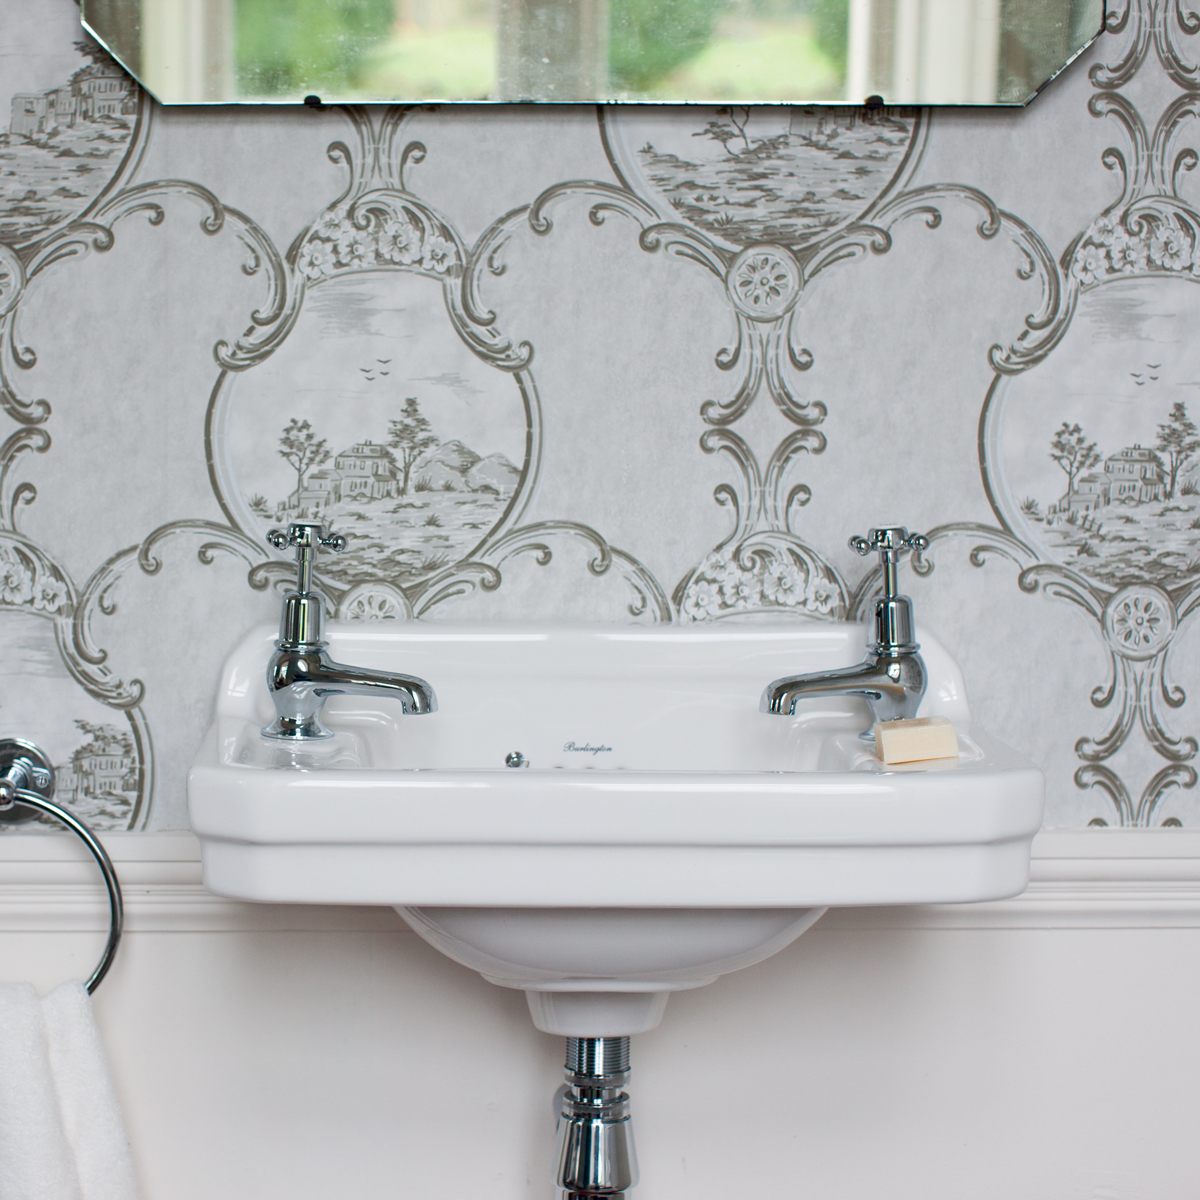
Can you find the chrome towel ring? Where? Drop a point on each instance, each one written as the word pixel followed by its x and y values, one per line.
pixel 27 782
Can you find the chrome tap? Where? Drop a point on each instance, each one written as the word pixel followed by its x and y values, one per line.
pixel 301 674
pixel 892 676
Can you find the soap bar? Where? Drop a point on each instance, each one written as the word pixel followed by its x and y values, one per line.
pixel 915 740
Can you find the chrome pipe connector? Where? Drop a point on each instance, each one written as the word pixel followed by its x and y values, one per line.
pixel 596 1155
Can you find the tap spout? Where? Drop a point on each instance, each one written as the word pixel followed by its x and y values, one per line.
pixel 891 684
pixel 301 679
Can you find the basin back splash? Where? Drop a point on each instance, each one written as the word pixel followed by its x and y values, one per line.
pixel 636 365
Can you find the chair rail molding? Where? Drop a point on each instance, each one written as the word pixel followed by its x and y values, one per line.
pixel 1080 879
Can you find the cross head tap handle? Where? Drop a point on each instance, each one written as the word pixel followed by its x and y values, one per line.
pixel 307 537
pixel 890 542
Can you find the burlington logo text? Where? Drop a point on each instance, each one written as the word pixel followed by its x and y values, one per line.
pixel 586 748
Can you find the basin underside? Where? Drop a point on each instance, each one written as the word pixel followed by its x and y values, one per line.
pixel 605 972
pixel 607 949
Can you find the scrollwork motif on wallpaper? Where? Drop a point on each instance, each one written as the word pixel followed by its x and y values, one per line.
pixel 98 234
pixel 48 228
pixel 74 610
pixel 14 495
pixel 87 660
pixel 762 565
pixel 32 583
pixel 767 217
pixel 484 572
pixel 376 222
pixel 766 212
pixel 12 279
pixel 32 251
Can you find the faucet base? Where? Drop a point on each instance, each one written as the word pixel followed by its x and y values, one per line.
pixel 291 729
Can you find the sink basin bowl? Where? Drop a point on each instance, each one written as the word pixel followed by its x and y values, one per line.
pixel 658 832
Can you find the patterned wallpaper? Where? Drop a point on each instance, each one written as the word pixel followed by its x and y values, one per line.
pixel 622 365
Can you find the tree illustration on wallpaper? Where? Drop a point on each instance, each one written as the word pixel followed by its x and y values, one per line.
pixel 1177 441
pixel 411 435
pixel 730 125
pixel 752 176
pixel 1138 513
pixel 302 450
pixel 1073 452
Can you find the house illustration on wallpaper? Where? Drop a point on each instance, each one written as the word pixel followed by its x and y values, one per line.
pixel 1132 515
pixel 1134 475
pixel 63 145
pixel 99 781
pixel 363 471
pixel 366 472
pixel 409 507
pixel 100 89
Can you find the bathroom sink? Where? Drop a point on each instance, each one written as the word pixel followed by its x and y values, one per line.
pixel 602 815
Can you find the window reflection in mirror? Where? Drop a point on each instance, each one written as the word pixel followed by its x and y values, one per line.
pixel 967 51
pixel 714 51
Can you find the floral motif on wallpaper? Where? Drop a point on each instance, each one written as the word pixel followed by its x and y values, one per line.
pixel 418 431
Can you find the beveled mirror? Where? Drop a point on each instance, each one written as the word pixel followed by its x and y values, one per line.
pixel 595 51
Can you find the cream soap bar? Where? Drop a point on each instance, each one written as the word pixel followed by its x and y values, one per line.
pixel 915 740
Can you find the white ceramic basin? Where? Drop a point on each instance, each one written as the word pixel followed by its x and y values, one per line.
pixel 663 832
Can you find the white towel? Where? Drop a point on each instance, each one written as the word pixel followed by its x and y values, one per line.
pixel 61 1133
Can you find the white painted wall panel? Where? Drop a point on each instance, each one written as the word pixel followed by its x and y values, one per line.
pixel 1044 1047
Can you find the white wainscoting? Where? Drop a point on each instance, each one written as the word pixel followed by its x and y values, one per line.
pixel 1041 1048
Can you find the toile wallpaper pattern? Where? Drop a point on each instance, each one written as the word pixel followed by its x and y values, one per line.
pixel 634 364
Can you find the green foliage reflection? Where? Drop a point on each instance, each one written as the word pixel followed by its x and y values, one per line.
pixel 284 46
pixel 652 40
pixel 831 20
pixel 648 39
pixel 660 49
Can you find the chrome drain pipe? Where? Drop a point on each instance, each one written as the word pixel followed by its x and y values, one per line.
pixel 596 1156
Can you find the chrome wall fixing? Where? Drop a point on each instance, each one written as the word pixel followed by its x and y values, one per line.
pixel 300 674
pixel 596 1156
pixel 26 787
pixel 892 676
